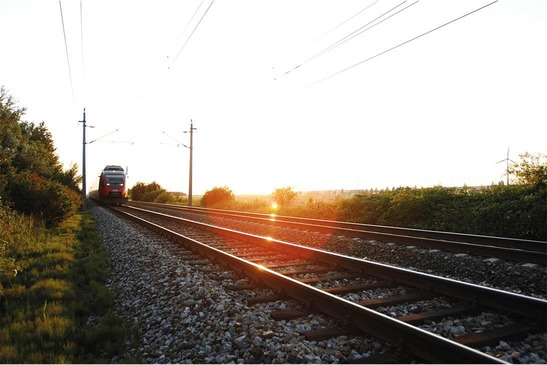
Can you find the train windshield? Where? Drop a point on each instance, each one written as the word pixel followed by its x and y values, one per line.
pixel 113 178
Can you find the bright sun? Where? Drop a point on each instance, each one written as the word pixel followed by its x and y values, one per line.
pixel 274 205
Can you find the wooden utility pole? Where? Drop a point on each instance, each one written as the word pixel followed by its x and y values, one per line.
pixel 84 191
pixel 191 131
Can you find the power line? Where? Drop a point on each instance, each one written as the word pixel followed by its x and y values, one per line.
pixel 82 47
pixel 352 35
pixel 66 51
pixel 188 24
pixel 339 25
pixel 364 28
pixel 190 36
pixel 403 43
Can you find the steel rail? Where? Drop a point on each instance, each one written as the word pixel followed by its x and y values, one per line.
pixel 488 246
pixel 367 320
pixel 491 297
pixel 428 346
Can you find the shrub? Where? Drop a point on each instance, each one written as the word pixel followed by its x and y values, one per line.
pixel 284 196
pixel 151 196
pixel 217 196
pixel 50 200
pixel 164 198
pixel 145 192
pixel 508 211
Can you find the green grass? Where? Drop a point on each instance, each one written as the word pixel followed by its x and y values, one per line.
pixel 52 281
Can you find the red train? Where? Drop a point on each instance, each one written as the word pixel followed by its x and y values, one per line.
pixel 112 185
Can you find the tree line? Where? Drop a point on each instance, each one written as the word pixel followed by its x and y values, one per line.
pixel 518 210
pixel 32 179
pixel 154 192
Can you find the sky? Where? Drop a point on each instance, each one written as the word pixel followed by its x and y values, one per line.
pixel 311 94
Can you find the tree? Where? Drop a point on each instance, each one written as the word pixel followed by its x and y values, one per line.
pixel 32 179
pixel 216 196
pixel 10 137
pixel 146 192
pixel 70 178
pixel 284 196
pixel 531 170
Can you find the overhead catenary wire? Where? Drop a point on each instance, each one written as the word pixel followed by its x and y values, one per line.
pixel 339 25
pixel 402 44
pixel 367 27
pixel 192 33
pixel 82 49
pixel 174 139
pixel 66 51
pixel 186 27
pixel 166 71
pixel 352 35
pixel 106 135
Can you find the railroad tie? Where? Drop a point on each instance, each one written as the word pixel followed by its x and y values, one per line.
pixel 416 318
pixel 493 336
pixel 262 299
pixel 395 300
pixel 287 315
pixel 330 332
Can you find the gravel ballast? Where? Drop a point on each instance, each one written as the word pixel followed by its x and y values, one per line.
pixel 186 315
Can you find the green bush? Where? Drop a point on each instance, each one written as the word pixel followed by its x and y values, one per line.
pixel 365 208
pixel 165 198
pixel 284 196
pixel 151 196
pixel 48 199
pixel 511 211
pixel 145 192
pixel 217 196
pixel 508 211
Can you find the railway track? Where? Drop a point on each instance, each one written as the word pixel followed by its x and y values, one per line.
pixel 334 284
pixel 511 249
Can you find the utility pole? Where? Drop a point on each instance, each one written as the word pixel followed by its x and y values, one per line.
pixel 83 162
pixel 191 148
pixel 84 185
pixel 192 129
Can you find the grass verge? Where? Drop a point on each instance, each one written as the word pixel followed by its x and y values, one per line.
pixel 56 308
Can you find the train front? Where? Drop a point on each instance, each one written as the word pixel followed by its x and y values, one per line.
pixel 112 185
